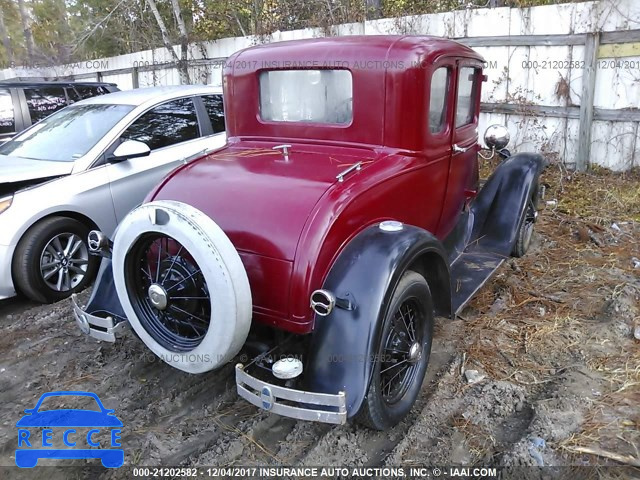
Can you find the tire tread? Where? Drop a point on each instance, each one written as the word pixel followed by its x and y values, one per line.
pixel 24 270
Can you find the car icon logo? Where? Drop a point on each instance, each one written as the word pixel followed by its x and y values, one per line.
pixel 41 425
pixel 267 398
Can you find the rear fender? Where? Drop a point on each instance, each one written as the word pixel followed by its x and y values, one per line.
pixel 344 343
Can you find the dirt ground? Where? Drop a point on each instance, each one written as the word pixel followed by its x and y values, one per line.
pixel 550 338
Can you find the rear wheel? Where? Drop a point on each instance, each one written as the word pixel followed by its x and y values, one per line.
pixel 402 356
pixel 52 260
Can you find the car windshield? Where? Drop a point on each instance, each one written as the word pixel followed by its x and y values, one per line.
pixel 66 135
pixel 318 96
pixel 66 402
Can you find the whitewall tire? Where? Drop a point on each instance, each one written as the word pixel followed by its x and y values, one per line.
pixel 207 263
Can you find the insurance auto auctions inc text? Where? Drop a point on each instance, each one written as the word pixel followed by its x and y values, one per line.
pixel 350 472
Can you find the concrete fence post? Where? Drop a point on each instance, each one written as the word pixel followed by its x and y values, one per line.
pixel 135 81
pixel 586 100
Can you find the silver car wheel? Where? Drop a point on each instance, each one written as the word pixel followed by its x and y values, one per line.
pixel 64 262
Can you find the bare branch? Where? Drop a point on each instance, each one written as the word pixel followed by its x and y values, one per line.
pixel 182 67
pixel 89 34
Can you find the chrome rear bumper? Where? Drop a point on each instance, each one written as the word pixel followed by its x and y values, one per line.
pixel 270 397
pixel 100 328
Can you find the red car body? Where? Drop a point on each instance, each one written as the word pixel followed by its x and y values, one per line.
pixel 347 213
pixel 294 217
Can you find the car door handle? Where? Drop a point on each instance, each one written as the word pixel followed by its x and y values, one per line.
pixel 458 149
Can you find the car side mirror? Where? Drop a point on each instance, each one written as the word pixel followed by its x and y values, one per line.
pixel 130 149
pixel 496 137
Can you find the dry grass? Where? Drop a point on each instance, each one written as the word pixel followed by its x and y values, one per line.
pixel 552 309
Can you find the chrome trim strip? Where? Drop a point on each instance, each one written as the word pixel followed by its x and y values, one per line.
pixel 354 167
pixel 244 380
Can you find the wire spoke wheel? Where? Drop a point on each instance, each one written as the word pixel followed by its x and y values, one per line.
pixel 529 222
pixel 64 262
pixel 402 351
pixel 168 291
pixel 402 354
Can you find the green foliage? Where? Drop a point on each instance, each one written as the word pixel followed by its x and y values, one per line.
pixel 74 30
pixel 13 31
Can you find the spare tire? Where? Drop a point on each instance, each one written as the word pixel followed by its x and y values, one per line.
pixel 182 285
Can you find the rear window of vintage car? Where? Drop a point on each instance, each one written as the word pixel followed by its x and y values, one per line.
pixel 309 96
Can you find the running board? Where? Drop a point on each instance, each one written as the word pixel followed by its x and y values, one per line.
pixel 470 272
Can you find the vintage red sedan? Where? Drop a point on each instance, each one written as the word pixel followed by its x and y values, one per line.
pixel 342 217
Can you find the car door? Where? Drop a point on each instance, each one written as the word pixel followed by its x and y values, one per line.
pixel 174 130
pixel 462 182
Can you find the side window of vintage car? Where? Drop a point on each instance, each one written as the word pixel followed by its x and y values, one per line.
pixel 42 102
pixel 467 88
pixel 213 104
pixel 167 124
pixel 7 117
pixel 438 100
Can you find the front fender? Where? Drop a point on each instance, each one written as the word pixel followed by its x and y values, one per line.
pixel 497 210
pixel 343 344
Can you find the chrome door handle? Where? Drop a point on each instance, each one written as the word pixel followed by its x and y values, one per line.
pixel 459 149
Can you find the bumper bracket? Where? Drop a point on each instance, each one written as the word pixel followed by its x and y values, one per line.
pixel 100 328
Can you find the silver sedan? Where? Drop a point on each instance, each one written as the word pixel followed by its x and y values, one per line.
pixel 85 167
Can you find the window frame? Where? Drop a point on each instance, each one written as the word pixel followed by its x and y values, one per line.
pixel 298 124
pixel 475 91
pixel 199 124
pixel 206 118
pixel 446 124
pixel 17 114
pixel 103 158
pixel 27 112
pixel 441 140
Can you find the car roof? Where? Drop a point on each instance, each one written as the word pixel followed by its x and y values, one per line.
pixel 354 48
pixel 46 83
pixel 140 96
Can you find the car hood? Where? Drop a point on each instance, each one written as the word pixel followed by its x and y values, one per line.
pixel 259 199
pixel 69 418
pixel 18 169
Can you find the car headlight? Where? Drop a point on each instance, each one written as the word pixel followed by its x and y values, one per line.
pixel 5 203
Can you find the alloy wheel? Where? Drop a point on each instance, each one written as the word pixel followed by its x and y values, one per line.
pixel 64 262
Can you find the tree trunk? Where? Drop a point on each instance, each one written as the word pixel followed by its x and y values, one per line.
pixel 65 35
pixel 5 39
pixel 182 70
pixel 26 28
pixel 374 9
pixel 184 41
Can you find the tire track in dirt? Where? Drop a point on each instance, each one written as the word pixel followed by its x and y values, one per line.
pixel 167 414
pixel 496 422
pixel 267 439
